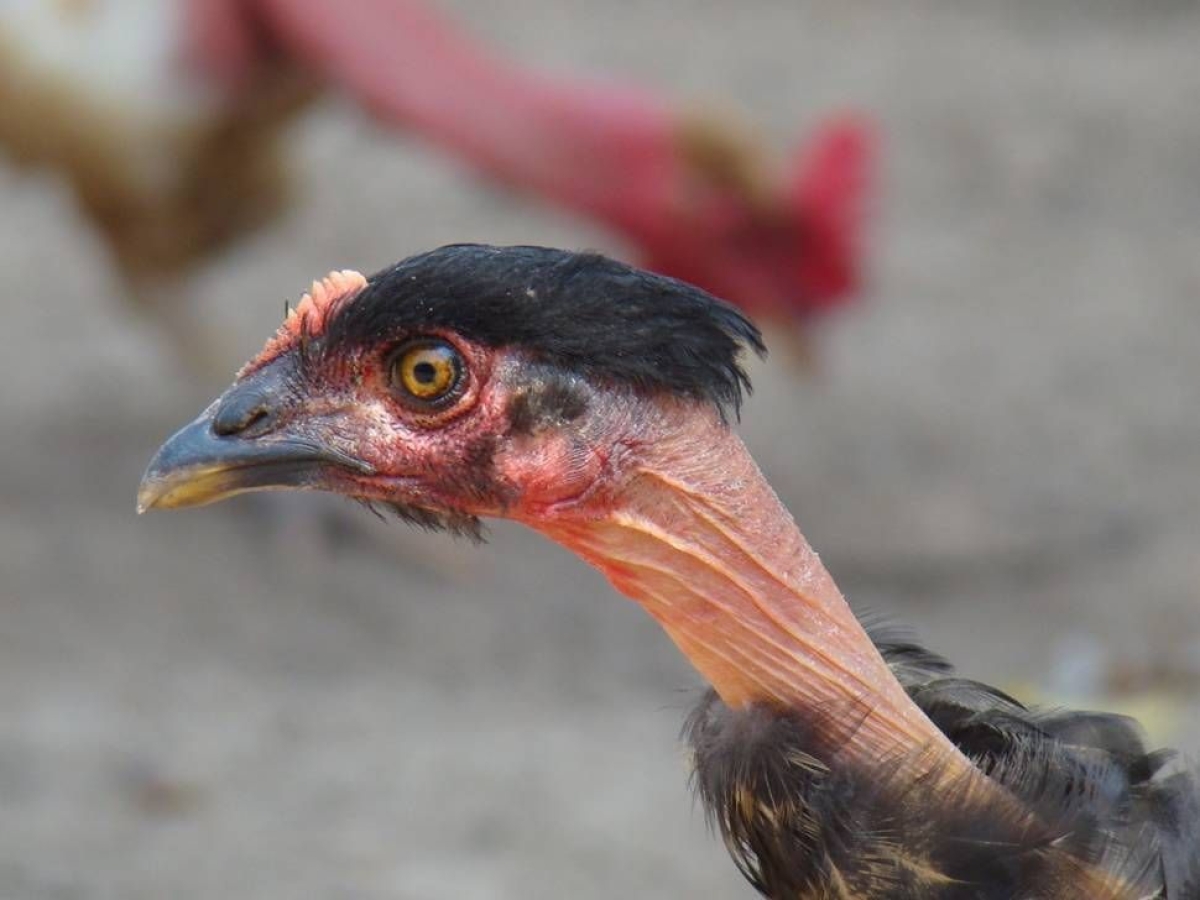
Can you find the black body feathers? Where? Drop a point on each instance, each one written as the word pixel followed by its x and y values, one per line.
pixel 1106 818
pixel 590 315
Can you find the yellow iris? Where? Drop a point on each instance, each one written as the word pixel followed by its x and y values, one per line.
pixel 427 369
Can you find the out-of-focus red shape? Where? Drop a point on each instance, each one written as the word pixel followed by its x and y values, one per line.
pixel 221 40
pixel 693 195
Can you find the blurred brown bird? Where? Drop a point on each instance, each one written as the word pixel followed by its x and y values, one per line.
pixel 590 401
pixel 169 164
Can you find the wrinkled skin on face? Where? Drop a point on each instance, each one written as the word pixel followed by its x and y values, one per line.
pixel 516 438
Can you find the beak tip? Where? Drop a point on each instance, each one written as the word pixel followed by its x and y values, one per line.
pixel 148 495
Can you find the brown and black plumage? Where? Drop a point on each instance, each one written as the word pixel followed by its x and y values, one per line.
pixel 1092 801
pixel 592 402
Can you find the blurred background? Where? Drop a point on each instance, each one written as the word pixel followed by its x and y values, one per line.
pixel 995 442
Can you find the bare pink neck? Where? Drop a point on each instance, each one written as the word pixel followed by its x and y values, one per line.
pixel 693 532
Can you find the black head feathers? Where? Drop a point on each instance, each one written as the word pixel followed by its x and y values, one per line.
pixel 599 318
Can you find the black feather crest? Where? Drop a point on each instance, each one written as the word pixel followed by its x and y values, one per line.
pixel 1097 815
pixel 580 311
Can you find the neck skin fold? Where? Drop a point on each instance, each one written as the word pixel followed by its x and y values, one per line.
pixel 689 528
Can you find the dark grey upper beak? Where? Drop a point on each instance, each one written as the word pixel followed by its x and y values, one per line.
pixel 237 445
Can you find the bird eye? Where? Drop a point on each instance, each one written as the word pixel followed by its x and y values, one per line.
pixel 427 370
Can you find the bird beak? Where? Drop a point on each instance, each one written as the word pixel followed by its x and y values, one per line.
pixel 223 453
pixel 196 467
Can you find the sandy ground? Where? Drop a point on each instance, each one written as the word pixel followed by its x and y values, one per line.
pixel 1002 451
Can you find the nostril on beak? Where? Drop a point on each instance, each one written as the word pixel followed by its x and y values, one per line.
pixel 243 416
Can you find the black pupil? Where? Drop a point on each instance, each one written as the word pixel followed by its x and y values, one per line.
pixel 425 372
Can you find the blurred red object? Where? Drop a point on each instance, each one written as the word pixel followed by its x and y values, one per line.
pixel 692 193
